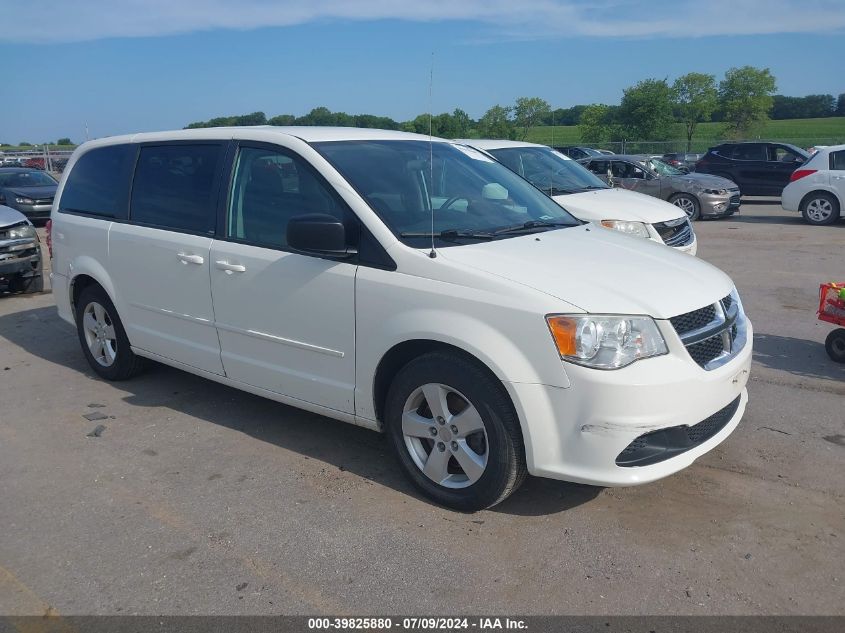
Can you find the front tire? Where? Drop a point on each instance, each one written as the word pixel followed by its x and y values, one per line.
pixel 820 209
pixel 103 339
pixel 834 344
pixel 689 204
pixel 454 432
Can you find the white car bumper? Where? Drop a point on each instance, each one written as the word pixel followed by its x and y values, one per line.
pixel 577 434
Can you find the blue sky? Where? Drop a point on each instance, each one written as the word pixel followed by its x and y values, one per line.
pixel 123 66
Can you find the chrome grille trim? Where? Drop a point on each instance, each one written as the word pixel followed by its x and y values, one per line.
pixel 675 232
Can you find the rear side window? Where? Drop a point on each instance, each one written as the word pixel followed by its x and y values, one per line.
pixel 99 182
pixel 837 160
pixel 750 152
pixel 174 187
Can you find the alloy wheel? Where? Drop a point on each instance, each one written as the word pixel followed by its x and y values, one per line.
pixel 445 435
pixel 99 333
pixel 819 209
pixel 686 204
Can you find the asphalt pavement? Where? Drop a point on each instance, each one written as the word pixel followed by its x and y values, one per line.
pixel 200 499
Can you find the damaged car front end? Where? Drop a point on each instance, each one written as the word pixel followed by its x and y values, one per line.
pixel 20 253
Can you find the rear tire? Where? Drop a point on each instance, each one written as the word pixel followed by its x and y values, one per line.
pixel 834 344
pixel 820 208
pixel 472 456
pixel 689 204
pixel 103 339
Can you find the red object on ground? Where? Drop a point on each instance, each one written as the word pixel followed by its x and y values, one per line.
pixel 831 307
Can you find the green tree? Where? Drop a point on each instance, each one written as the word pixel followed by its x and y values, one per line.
pixel 745 96
pixel 462 123
pixel 528 112
pixel 64 141
pixel 840 105
pixel 594 126
pixel 645 112
pixel 695 98
pixel 282 119
pixel 24 144
pixel 497 123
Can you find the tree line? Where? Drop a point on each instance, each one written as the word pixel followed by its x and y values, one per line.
pixel 743 100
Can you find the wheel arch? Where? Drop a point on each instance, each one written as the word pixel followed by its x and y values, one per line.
pixel 86 271
pixel 817 190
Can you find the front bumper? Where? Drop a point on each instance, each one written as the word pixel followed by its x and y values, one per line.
pixel 19 257
pixel 719 205
pixel 577 433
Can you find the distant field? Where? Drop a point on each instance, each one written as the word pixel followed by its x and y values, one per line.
pixel 803 132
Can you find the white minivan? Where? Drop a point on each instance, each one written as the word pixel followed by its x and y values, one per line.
pixel 405 284
pixel 589 198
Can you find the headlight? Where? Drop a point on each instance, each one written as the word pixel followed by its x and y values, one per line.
pixel 23 231
pixel 716 192
pixel 605 341
pixel 24 200
pixel 637 229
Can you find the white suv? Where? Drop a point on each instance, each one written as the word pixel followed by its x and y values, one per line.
pixel 817 188
pixel 591 199
pixel 407 285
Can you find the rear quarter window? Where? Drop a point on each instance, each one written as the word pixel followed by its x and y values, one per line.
pixel 837 160
pixel 98 184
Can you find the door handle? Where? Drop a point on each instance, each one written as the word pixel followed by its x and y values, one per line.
pixel 230 268
pixel 190 259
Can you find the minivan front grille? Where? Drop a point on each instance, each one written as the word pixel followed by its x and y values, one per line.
pixel 693 320
pixel 675 232
pixel 713 334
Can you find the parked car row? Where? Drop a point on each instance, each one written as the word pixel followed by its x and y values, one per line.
pixel 411 285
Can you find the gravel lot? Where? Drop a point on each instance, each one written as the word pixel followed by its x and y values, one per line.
pixel 200 499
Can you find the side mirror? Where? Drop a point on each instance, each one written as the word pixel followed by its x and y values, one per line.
pixel 318 234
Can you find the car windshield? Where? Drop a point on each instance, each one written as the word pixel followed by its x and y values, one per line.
pixel 548 170
pixel 469 195
pixel 32 178
pixel 662 168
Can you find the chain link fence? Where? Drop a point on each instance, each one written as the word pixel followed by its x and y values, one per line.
pixel 697 146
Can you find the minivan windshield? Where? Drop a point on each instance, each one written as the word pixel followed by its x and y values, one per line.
pixel 471 196
pixel 548 170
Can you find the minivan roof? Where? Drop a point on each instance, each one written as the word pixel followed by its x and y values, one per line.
pixel 305 133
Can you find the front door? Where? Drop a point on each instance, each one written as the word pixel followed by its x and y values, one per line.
pixel 286 321
pixel 159 260
pixel 627 175
pixel 782 162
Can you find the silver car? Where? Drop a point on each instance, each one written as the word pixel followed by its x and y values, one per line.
pixel 20 253
pixel 699 195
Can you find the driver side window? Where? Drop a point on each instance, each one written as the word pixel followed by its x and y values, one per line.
pixel 783 155
pixel 268 189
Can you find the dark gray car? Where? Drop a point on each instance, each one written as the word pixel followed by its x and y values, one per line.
pixel 20 253
pixel 699 195
pixel 28 190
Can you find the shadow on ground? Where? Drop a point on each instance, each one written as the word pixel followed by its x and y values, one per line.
pixel 366 453
pixel 799 357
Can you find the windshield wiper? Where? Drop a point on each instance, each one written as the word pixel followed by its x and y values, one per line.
pixel 591 187
pixel 530 225
pixel 555 191
pixel 452 234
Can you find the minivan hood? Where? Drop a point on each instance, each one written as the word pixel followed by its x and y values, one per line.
pixel 618 204
pixel 9 217
pixel 600 271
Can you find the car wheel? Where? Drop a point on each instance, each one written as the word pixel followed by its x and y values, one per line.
pixel 454 432
pixel 820 208
pixel 104 341
pixel 689 204
pixel 834 344
pixel 27 285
